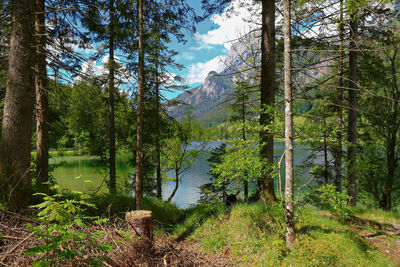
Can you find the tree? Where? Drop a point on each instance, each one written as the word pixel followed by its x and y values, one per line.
pixel 289 201
pixel 352 109
pixel 111 93
pixel 267 90
pixel 380 127
pixel 338 150
pixel 178 155
pixel 16 132
pixel 241 162
pixel 42 105
pixel 241 113
pixel 215 191
pixel 139 146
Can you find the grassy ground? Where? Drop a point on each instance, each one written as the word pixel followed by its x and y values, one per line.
pixel 247 236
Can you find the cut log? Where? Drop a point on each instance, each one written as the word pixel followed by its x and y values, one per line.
pixel 141 221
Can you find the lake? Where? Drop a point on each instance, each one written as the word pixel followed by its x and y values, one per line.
pixel 71 172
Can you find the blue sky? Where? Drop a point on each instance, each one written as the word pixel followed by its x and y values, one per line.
pixel 206 49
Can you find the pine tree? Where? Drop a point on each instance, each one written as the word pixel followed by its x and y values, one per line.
pixel 15 145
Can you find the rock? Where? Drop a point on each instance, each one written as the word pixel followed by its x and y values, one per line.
pixel 141 221
pixel 396 226
pixel 398 242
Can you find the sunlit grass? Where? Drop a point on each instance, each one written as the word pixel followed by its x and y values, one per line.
pixel 246 234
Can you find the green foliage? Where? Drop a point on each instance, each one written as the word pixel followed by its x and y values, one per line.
pixel 336 202
pixel 177 154
pixel 241 160
pixel 64 230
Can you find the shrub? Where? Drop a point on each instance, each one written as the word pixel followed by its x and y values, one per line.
pixel 334 201
pixel 64 230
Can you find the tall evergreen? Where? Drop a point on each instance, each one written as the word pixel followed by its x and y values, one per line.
pixel 267 89
pixel 352 109
pixel 16 132
pixel 42 105
pixel 139 132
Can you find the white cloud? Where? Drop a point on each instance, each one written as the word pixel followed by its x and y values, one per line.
pixel 90 68
pixel 199 71
pixel 238 18
pixel 185 55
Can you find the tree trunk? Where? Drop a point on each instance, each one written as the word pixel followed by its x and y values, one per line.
pixel 352 113
pixel 391 163
pixel 338 152
pixel 326 163
pixel 158 133
pixel 111 93
pixel 391 160
pixel 142 223
pixel 139 144
pixel 16 132
pixel 158 137
pixel 289 205
pixel 42 104
pixel 265 184
pixel 176 186
pixel 245 182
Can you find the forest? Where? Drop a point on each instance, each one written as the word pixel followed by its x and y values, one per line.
pixel 295 162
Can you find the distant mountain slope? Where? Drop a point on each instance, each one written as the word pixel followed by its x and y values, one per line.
pixel 209 98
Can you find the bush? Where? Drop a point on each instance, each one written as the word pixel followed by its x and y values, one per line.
pixel 327 197
pixel 64 230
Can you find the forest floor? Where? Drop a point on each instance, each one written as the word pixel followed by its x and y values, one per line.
pixel 382 235
pixel 215 236
pixel 16 239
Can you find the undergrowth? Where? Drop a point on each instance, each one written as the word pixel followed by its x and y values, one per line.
pixel 165 215
pixel 247 235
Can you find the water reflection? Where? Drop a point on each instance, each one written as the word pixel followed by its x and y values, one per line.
pixel 188 192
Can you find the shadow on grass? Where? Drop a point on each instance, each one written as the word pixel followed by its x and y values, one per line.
pixel 194 218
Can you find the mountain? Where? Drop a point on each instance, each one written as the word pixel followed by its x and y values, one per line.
pixel 209 99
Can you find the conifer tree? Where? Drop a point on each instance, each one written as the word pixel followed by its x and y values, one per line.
pixel 16 132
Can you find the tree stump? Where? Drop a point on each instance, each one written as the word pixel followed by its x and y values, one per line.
pixel 141 221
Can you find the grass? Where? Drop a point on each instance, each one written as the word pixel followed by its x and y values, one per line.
pixel 378 215
pixel 248 236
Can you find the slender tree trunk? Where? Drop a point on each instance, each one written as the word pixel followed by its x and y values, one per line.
pixel 391 160
pixel 326 172
pixel 16 132
pixel 266 184
pixel 139 145
pixel 245 182
pixel 158 133
pixel 352 113
pixel 289 205
pixel 338 153
pixel 111 93
pixel 391 163
pixel 42 104
pixel 176 186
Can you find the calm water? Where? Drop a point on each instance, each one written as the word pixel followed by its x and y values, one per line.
pixel 87 168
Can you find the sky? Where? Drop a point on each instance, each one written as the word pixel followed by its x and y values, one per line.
pixel 205 50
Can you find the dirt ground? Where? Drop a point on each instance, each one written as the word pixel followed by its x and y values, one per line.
pixel 16 239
